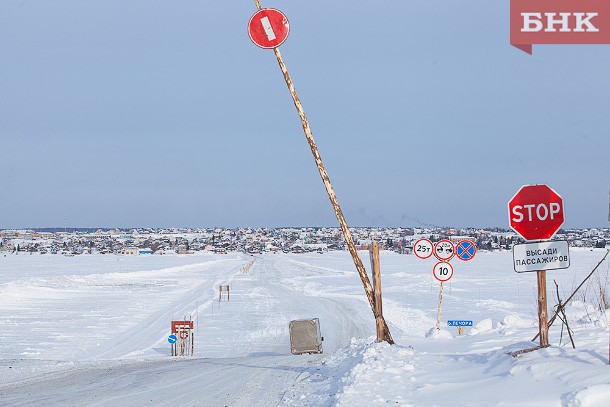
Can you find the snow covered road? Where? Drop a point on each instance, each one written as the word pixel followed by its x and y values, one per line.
pixel 92 330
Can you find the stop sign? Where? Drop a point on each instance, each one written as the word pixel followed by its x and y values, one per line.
pixel 536 212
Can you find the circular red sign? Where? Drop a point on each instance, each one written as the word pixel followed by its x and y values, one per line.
pixel 442 271
pixel 444 250
pixel 423 248
pixel 268 28
pixel 536 212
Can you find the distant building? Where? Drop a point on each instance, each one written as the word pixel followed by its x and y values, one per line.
pixel 131 251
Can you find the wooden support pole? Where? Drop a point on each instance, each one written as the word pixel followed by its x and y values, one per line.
pixel 376 268
pixel 440 306
pixel 575 291
pixel 331 193
pixel 543 323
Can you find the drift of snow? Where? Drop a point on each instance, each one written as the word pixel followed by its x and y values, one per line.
pixel 92 330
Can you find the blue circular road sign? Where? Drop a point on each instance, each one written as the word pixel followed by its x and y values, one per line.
pixel 465 250
pixel 172 339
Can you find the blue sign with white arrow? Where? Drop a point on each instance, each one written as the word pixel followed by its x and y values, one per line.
pixel 172 339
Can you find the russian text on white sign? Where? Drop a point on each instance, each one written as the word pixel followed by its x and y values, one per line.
pixel 551 255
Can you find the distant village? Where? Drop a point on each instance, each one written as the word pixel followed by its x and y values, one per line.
pixel 72 242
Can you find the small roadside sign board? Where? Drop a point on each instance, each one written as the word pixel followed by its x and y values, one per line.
pixel 550 255
pixel 268 28
pixel 443 271
pixel 444 250
pixel 465 250
pixel 172 339
pixel 423 248
pixel 459 322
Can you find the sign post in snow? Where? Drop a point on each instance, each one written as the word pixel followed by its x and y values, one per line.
pixel 535 212
pixel 444 250
pixel 269 31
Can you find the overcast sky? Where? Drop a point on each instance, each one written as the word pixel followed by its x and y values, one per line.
pixel 163 113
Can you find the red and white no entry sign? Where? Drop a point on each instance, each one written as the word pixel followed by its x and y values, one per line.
pixel 268 28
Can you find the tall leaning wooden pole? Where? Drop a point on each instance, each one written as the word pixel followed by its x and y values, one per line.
pixel 331 193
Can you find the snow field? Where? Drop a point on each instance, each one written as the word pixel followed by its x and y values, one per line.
pixel 92 330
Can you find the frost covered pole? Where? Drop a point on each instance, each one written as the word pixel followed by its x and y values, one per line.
pixel 440 307
pixel 331 193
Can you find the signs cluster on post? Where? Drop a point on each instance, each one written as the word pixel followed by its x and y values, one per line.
pixel 536 213
pixel 444 250
pixel 181 338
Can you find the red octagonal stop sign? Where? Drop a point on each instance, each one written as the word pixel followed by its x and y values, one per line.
pixel 536 212
pixel 268 28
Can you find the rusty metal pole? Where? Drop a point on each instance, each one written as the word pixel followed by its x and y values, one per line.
pixel 330 191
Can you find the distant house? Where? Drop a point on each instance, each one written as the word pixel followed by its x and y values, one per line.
pixel 145 251
pixel 131 251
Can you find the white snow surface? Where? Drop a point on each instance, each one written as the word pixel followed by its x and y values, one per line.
pixel 92 330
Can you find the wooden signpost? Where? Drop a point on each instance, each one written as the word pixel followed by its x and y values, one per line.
pixel 376 269
pixel 224 289
pixel 535 212
pixel 270 32
pixel 182 335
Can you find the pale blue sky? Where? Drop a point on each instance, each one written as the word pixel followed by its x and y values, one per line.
pixel 163 113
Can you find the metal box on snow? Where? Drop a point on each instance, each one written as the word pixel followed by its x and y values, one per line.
pixel 305 336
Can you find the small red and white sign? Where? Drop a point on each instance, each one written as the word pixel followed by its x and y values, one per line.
pixel 444 250
pixel 268 28
pixel 443 271
pixel 423 248
pixel 536 212
pixel 559 22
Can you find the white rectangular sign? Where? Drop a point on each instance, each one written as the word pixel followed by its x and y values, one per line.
pixel 550 255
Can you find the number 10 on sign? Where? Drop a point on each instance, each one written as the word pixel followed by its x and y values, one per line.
pixel 443 271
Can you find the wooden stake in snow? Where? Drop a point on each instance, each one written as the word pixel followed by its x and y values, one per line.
pixel 376 268
pixel 576 290
pixel 440 305
pixel 331 193
pixel 543 323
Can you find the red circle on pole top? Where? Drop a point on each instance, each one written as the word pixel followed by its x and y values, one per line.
pixel 536 212
pixel 268 28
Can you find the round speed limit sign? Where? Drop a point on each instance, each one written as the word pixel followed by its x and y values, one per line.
pixel 423 248
pixel 443 271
